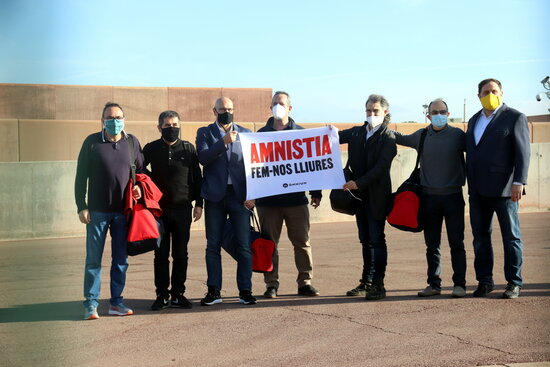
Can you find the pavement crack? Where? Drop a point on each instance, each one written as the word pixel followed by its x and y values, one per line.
pixel 464 341
pixel 349 319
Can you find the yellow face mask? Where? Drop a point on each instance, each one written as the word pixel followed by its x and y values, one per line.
pixel 491 102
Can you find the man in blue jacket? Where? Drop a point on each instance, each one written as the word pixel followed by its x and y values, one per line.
pixel 497 161
pixel 290 208
pixel 224 190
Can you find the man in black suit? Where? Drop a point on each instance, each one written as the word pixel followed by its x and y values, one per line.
pixel 497 161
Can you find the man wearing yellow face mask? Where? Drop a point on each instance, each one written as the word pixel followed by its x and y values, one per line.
pixel 497 161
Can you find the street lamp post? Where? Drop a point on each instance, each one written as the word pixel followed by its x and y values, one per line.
pixel 425 107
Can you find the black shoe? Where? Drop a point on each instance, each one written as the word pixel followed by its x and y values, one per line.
pixel 483 290
pixel 308 290
pixel 246 298
pixel 376 291
pixel 181 301
pixel 360 290
pixel 212 297
pixel 271 292
pixel 160 303
pixel 511 292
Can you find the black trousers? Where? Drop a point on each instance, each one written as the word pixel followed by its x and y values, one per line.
pixel 451 208
pixel 177 224
pixel 373 242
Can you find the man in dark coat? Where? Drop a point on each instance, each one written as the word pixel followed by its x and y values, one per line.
pixel 371 148
pixel 497 161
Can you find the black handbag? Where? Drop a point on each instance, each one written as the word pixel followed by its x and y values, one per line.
pixel 344 201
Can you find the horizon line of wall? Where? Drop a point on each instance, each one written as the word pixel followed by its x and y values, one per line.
pixel 49 122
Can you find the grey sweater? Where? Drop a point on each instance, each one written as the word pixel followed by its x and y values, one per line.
pixel 442 167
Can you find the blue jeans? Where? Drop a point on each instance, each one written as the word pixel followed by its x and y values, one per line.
pixel 435 208
pixel 481 219
pixel 373 241
pixel 96 234
pixel 215 216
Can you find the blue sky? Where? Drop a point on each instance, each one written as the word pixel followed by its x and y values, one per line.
pixel 329 55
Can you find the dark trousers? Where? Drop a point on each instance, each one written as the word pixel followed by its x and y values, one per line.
pixel 177 224
pixel 373 242
pixel 481 218
pixel 216 214
pixel 435 209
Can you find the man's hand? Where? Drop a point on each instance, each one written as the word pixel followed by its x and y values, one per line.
pixel 230 137
pixel 517 190
pixel 315 202
pixel 197 213
pixel 136 192
pixel 84 216
pixel 249 204
pixel 350 185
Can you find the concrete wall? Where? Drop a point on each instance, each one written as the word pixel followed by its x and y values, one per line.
pixel 49 122
pixel 25 140
pixel 37 200
pixel 77 102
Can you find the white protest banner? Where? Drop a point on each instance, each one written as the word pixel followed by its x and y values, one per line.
pixel 280 162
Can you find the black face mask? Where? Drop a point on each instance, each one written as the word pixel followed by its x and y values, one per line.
pixel 225 118
pixel 170 134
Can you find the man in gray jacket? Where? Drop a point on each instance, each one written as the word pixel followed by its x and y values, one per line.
pixel 442 175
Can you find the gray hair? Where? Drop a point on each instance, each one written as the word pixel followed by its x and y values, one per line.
pixel 377 98
pixel 289 102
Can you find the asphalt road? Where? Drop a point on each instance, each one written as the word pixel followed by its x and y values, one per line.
pixel 41 295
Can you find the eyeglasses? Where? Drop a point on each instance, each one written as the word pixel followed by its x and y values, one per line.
pixel 114 118
pixel 442 112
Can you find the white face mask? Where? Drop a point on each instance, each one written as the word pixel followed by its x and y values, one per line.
pixel 374 121
pixel 279 112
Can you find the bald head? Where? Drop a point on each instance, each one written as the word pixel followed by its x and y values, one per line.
pixel 223 103
pixel 222 108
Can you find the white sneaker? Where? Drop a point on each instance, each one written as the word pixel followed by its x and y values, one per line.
pixel 429 291
pixel 120 310
pixel 90 313
pixel 458 292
